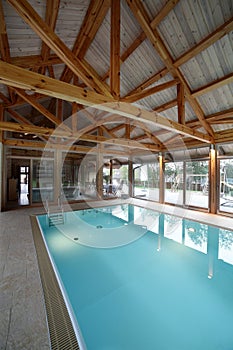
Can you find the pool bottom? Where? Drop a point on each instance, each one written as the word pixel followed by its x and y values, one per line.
pixel 189 310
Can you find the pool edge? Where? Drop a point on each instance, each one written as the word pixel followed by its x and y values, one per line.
pixel 61 331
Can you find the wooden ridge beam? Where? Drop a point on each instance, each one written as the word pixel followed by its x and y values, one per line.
pixel 30 16
pixel 115 48
pixel 18 77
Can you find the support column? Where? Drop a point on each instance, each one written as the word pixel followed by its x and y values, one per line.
pixel 130 177
pixel 57 175
pixel 184 184
pixel 213 180
pixel 161 178
pixel 212 249
pixel 99 172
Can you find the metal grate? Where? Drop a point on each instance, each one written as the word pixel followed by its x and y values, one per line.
pixel 62 335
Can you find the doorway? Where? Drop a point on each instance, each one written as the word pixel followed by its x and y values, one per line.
pixel 24 185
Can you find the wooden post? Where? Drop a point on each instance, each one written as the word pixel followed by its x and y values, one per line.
pixel 1 158
pixel 161 178
pixel 181 103
pixel 115 48
pixel 213 180
pixel 59 110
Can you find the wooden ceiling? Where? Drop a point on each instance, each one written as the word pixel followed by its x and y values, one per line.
pixel 128 75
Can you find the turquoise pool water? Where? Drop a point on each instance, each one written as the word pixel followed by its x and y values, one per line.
pixel 167 287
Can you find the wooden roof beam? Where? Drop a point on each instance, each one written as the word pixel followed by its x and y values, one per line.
pixel 18 77
pixel 34 103
pixel 31 17
pixel 153 35
pixel 35 61
pixel 70 148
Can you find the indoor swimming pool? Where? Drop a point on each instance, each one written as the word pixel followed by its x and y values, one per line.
pixel 134 278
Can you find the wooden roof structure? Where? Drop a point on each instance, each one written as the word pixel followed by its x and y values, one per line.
pixel 128 75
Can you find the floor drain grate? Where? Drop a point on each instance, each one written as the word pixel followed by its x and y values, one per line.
pixel 99 226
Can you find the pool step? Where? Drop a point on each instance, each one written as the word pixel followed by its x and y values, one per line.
pixel 56 219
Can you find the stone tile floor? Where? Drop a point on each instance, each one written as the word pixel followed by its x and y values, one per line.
pixel 23 322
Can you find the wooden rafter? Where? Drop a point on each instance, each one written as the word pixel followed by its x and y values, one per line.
pixel 213 85
pixel 213 117
pixel 4 45
pixel 18 77
pixel 165 106
pixel 153 35
pixel 115 48
pixel 157 76
pixel 31 17
pixel 150 91
pixel 95 14
pixel 22 120
pixel 205 43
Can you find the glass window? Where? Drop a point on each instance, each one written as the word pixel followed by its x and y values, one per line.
pixel 42 180
pixel 197 183
pixel 146 181
pixel 174 183
pixel 226 185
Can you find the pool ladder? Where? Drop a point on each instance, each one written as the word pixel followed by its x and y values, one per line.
pixel 57 217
